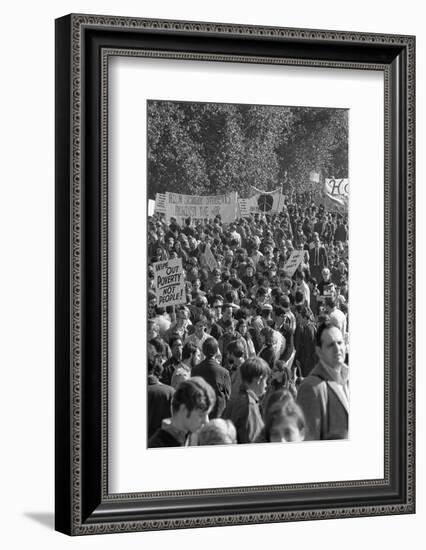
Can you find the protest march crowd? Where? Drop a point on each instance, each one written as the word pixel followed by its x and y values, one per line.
pixel 248 327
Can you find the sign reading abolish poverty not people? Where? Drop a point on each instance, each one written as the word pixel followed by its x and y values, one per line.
pixel 169 283
pixel 200 207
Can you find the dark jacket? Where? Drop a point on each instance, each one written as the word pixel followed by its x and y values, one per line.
pixel 169 368
pixel 324 406
pixel 219 379
pixel 159 403
pixel 306 354
pixel 163 438
pixel 318 259
pixel 244 412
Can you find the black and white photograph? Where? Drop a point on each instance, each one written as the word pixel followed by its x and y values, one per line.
pixel 248 273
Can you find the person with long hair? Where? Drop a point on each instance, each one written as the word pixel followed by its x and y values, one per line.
pixel 242 328
pixel 283 418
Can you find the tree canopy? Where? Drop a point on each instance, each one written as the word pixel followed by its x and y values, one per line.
pixel 213 148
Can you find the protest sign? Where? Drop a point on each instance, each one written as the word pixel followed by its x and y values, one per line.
pixel 169 282
pixel 200 208
pixel 293 262
pixel 208 259
pixel 336 187
pixel 336 191
pixel 262 201
pixel 314 177
pixel 151 207
pixel 160 203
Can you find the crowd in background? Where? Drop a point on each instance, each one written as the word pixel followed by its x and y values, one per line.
pixel 254 354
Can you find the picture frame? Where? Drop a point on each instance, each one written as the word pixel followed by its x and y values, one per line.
pixel 84 505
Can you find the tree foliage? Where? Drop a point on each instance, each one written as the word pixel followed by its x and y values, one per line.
pixel 213 148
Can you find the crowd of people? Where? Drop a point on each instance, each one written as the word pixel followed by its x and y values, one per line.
pixel 254 353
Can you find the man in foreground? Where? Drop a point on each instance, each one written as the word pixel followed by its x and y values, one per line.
pixel 243 409
pixel 215 375
pixel 324 394
pixel 191 404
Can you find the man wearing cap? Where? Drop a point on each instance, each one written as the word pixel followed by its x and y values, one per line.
pixel 324 395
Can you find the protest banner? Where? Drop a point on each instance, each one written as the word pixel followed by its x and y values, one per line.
pixel 208 259
pixel 336 191
pixel 160 203
pixel 262 201
pixel 169 282
pixel 336 187
pixel 200 208
pixel 293 262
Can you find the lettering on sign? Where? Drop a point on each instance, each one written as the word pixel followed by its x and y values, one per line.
pixel 293 262
pixel 200 208
pixel 169 282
